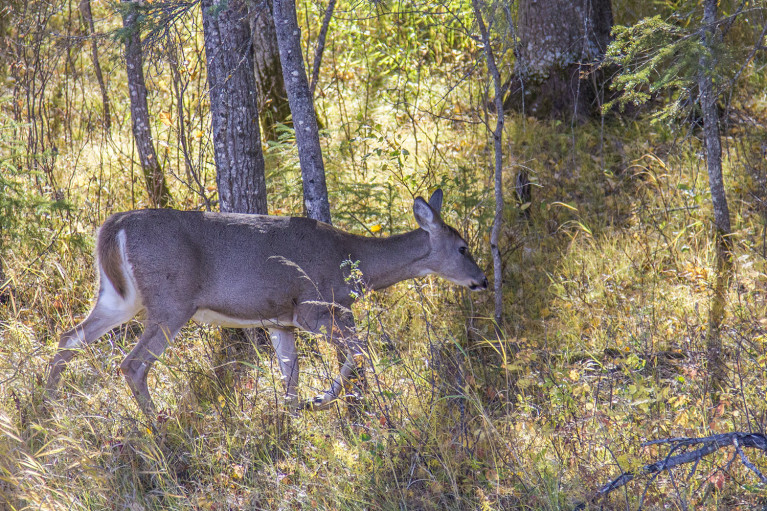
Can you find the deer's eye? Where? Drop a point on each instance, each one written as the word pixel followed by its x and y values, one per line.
pixel 462 250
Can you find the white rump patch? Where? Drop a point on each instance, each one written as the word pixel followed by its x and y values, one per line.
pixel 109 299
pixel 111 309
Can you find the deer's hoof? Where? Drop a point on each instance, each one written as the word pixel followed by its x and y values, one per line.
pixel 318 403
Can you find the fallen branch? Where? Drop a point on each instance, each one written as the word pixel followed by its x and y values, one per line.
pixel 708 445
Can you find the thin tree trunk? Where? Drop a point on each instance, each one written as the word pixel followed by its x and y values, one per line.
pixel 320 48
pixel 711 125
pixel 234 107
pixel 497 144
pixel 302 108
pixel 717 370
pixel 178 91
pixel 85 11
pixel 307 133
pixel 273 103
pixel 142 133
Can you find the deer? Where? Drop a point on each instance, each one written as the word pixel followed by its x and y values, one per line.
pixel 279 273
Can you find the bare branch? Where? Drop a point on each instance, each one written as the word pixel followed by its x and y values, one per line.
pixel 709 444
pixel 747 463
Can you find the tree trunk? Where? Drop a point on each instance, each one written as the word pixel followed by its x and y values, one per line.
pixel 272 98
pixel 559 41
pixel 233 107
pixel 302 109
pixel 85 11
pixel 717 370
pixel 240 170
pixel 153 175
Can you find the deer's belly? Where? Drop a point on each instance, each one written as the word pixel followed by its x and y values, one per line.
pixel 216 318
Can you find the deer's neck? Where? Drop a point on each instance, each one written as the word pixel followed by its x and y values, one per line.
pixel 386 261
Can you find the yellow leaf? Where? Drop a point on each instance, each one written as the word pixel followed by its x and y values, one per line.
pixel 375 228
pixel 165 118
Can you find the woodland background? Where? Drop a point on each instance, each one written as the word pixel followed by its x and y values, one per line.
pixel 628 255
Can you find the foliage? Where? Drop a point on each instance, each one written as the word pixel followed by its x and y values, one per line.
pixel 656 58
pixel 156 18
pixel 22 207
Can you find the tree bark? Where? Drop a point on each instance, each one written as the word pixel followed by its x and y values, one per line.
pixel 273 103
pixel 234 108
pixel 302 109
pixel 85 11
pixel 717 370
pixel 498 171
pixel 142 133
pixel 559 41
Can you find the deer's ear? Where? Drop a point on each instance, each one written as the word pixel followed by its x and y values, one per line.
pixel 435 201
pixel 426 217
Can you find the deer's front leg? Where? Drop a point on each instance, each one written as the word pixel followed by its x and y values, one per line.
pixel 284 342
pixel 336 325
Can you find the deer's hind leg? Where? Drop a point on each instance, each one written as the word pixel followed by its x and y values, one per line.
pixel 158 333
pixel 110 311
